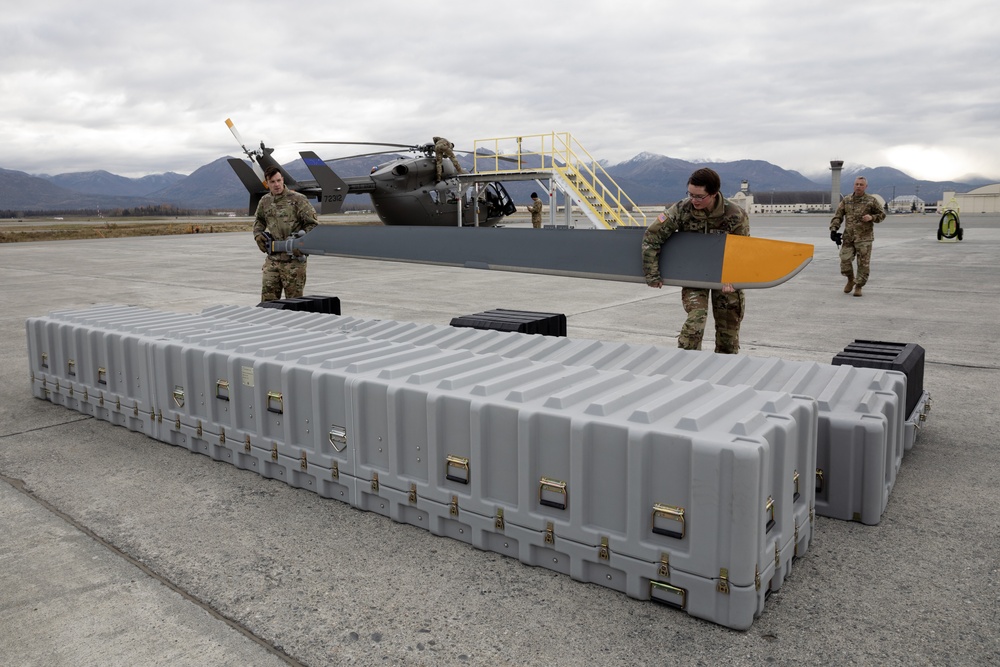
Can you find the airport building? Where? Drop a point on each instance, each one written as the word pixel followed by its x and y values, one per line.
pixel 981 200
pixel 907 204
pixel 804 201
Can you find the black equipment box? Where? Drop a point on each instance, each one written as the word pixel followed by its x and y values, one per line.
pixel 908 358
pixel 521 321
pixel 329 305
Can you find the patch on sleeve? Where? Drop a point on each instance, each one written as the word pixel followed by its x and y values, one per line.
pixel 661 218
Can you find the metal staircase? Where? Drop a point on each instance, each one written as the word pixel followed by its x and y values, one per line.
pixel 570 167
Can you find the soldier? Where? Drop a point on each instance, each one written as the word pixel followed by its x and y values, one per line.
pixel 444 149
pixel 282 213
pixel 536 211
pixel 704 210
pixel 861 211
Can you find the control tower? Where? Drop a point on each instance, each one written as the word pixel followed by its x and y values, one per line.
pixel 836 166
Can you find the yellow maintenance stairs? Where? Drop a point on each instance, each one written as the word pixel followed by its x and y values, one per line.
pixel 571 169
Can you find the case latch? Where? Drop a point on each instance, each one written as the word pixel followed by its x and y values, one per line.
pixel 604 551
pixel 723 585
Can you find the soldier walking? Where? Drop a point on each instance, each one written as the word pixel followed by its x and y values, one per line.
pixel 859 212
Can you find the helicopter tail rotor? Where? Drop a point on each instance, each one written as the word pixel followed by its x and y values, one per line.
pixel 254 155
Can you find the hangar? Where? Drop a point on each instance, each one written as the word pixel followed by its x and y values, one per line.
pixel 981 200
pixel 790 201
pixel 783 202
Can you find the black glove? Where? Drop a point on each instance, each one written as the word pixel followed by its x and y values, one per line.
pixel 264 240
pixel 836 236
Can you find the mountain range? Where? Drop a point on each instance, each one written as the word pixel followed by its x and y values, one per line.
pixel 649 179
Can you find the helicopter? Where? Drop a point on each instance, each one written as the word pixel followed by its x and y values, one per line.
pixel 403 190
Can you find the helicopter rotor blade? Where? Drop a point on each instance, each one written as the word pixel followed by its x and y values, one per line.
pixel 349 157
pixel 489 156
pixel 420 148
pixel 362 143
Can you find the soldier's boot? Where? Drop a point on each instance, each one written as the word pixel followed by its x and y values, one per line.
pixel 857 291
pixel 850 285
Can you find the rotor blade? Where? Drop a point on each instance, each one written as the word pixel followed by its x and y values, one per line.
pixel 232 128
pixel 253 160
pixel 349 157
pixel 362 143
pixel 239 139
pixel 489 156
pixel 688 259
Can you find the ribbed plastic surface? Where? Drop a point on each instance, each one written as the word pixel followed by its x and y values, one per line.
pixel 686 492
pixel 863 428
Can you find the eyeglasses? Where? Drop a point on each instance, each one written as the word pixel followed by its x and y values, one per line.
pixel 699 197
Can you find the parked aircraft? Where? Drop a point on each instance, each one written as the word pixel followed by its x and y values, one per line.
pixel 404 190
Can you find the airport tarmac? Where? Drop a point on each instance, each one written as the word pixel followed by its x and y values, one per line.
pixel 117 549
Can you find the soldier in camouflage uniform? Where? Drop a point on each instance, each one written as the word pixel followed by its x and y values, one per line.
pixel 535 209
pixel 282 213
pixel 444 149
pixel 861 212
pixel 705 210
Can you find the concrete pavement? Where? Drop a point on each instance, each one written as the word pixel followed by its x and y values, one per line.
pixel 117 549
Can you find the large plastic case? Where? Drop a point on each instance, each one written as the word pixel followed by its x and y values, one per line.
pixel 907 358
pixel 863 427
pixel 688 493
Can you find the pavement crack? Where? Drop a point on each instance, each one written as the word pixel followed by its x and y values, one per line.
pixel 46 427
pixel 20 486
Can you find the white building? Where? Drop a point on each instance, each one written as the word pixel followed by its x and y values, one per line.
pixel 907 204
pixel 806 201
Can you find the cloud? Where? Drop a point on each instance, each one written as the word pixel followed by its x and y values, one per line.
pixel 138 91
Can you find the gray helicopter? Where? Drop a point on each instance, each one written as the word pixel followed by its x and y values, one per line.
pixel 404 190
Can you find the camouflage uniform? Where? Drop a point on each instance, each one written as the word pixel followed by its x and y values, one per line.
pixel 727 308
pixel 443 149
pixel 858 234
pixel 536 212
pixel 281 217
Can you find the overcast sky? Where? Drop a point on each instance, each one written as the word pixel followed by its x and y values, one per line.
pixel 140 88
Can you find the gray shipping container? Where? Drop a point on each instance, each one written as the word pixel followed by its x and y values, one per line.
pixel 688 493
pixel 863 433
